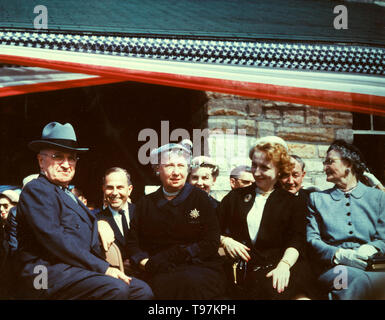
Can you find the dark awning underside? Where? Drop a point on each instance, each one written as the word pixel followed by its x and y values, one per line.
pixel 282 50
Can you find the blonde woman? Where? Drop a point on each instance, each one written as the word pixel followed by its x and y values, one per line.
pixel 263 228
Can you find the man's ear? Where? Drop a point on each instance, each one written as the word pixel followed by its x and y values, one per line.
pixel 232 183
pixel 130 188
pixel 39 158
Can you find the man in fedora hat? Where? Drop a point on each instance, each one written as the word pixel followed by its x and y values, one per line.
pixel 59 254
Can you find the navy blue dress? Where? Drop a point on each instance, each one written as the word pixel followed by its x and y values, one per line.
pixel 181 239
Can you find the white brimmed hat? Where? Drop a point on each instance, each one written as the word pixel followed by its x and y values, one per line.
pixel 13 196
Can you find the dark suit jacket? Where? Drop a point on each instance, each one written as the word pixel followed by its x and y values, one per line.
pixel 120 240
pixel 11 230
pixel 56 232
pixel 282 224
pixel 303 195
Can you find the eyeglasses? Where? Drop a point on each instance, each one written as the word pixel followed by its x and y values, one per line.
pixel 329 161
pixel 59 158
pixel 244 181
pixel 5 205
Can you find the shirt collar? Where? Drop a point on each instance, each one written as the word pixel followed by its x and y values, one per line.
pixel 259 192
pixel 357 192
pixel 114 212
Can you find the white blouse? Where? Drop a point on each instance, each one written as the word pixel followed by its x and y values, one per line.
pixel 254 216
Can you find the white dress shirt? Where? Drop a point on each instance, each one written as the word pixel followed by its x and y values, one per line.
pixel 118 217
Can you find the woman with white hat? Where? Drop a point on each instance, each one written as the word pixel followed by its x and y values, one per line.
pixel 175 233
pixel 8 199
pixel 204 172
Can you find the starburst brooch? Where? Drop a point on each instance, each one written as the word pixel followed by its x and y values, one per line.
pixel 194 214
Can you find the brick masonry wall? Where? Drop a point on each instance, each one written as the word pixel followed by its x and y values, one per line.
pixel 236 122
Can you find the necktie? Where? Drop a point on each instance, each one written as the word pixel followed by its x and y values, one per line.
pixel 68 192
pixel 124 223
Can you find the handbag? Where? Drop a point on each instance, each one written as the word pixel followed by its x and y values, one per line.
pixel 376 262
pixel 244 271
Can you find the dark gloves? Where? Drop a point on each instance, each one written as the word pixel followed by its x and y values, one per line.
pixel 166 261
pixel 178 254
pixel 155 265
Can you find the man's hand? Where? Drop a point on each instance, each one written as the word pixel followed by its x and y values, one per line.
pixel 235 249
pixel 106 234
pixel 116 273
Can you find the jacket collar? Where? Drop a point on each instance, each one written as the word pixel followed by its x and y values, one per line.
pixel 182 196
pixel 357 192
pixel 110 218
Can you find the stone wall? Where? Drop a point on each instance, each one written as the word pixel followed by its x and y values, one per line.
pixel 236 122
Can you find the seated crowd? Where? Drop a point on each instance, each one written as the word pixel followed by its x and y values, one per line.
pixel 268 238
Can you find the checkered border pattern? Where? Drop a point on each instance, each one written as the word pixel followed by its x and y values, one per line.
pixel 267 54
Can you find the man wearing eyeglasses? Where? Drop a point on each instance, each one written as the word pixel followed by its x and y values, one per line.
pixel 59 254
pixel 57 166
pixel 241 177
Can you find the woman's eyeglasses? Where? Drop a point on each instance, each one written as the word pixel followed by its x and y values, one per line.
pixel 329 161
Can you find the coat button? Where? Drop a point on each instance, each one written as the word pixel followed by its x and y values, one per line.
pixel 349 223
pixel 348 204
pixel 350 232
pixel 77 226
pixel 348 214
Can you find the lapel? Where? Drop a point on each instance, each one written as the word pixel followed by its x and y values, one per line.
pixel 274 208
pixel 246 201
pixel 131 209
pixel 78 207
pixel 268 210
pixel 110 219
pixel 272 203
pixel 80 210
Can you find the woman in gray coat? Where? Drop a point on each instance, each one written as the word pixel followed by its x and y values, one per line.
pixel 346 226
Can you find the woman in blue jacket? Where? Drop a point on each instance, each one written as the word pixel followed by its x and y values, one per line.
pixel 346 226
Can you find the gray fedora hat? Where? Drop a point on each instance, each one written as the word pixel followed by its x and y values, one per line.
pixel 58 136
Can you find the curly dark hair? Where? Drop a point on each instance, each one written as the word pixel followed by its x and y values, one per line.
pixel 352 155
